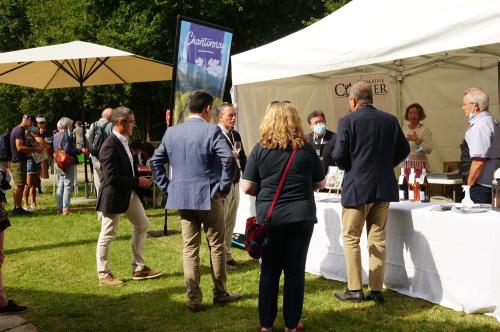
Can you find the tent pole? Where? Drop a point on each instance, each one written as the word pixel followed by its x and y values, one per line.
pixel 498 86
pixel 399 93
pixel 82 104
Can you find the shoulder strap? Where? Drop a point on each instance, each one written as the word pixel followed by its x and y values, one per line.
pixel 282 182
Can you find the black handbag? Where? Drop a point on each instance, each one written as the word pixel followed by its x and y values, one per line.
pixel 255 233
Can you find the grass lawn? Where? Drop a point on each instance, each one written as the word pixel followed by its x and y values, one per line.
pixel 50 267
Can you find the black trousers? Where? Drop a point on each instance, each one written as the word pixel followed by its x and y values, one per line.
pixel 286 251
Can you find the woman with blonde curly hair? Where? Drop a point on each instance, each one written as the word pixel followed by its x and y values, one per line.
pixel 294 215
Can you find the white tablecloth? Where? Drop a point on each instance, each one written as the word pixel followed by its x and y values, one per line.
pixel 446 258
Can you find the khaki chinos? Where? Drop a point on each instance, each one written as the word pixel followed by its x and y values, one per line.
pixel 353 220
pixel 137 216
pixel 213 224
pixel 230 208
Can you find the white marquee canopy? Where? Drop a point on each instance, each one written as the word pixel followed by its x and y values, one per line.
pixel 431 50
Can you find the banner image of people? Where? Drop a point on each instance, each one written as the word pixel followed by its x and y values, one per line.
pixel 202 61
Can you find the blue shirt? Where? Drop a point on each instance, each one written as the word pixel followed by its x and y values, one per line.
pixel 483 139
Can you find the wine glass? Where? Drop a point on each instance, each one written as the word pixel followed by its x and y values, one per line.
pixel 237 147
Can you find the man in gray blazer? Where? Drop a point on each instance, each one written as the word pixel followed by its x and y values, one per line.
pixel 202 174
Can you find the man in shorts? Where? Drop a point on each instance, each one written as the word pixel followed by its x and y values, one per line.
pixel 18 168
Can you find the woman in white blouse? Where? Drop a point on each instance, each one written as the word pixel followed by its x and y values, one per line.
pixel 419 137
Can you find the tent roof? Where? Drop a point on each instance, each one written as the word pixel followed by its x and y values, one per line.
pixel 65 65
pixel 366 32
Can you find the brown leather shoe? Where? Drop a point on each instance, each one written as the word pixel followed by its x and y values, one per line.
pixel 194 307
pixel 227 298
pixel 146 273
pixel 110 280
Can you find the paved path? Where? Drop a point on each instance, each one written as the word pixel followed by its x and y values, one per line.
pixel 15 323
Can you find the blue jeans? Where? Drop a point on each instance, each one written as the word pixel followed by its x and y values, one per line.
pixel 286 251
pixel 480 194
pixel 65 183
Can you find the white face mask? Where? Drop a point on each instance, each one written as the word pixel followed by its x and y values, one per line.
pixel 471 116
pixel 319 128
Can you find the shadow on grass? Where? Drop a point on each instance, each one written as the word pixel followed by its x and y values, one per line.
pixel 130 308
pixel 61 245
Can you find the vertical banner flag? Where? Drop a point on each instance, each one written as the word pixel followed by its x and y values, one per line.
pixel 201 62
pixel 380 87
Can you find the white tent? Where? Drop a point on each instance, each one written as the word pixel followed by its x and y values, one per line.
pixel 432 51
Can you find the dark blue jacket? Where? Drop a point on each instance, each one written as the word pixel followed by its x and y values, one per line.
pixel 369 144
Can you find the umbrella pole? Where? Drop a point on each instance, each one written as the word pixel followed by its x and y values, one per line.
pixel 84 141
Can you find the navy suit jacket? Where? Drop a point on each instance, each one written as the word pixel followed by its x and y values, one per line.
pixel 118 179
pixel 369 144
pixel 202 165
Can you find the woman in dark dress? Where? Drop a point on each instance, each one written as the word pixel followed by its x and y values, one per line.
pixel 293 217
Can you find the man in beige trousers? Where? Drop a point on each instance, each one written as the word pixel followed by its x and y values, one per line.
pixel 369 144
pixel 227 119
pixel 202 174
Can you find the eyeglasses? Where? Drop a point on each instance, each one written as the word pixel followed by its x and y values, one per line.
pixel 129 121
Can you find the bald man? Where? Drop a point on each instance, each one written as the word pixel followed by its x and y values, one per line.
pixel 107 127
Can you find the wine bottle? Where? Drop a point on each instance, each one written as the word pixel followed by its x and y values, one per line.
pixel 411 185
pixel 424 187
pixel 403 186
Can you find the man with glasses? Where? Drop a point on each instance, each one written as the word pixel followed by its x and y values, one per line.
pixel 118 195
pixel 483 140
pixel 227 119
pixel 321 139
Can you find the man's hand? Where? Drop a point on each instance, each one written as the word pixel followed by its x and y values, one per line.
pixel 85 151
pixel 145 182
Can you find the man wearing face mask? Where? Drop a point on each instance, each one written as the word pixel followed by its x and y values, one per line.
pixel 321 139
pixel 483 140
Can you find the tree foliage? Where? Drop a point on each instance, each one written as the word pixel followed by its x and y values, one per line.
pixel 145 27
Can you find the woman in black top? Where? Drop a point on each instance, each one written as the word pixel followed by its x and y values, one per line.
pixel 293 217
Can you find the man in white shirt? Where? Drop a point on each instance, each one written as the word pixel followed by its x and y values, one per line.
pixel 118 195
pixel 227 119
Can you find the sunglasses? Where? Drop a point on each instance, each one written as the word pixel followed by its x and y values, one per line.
pixel 277 101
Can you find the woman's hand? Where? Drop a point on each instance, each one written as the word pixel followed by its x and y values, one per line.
pixel 413 137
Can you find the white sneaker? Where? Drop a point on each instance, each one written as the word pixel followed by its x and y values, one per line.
pixel 28 208
pixel 36 207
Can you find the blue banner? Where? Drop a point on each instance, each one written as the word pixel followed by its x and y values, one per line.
pixel 202 63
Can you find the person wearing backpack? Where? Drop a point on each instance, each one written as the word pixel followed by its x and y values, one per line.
pixel 96 135
pixel 18 164
pixel 5 154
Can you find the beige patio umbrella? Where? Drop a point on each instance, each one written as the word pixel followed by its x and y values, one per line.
pixel 78 64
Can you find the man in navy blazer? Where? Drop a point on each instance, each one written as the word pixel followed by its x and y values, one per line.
pixel 369 144
pixel 202 174
pixel 120 182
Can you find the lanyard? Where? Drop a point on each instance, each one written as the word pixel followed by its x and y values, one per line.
pixel 231 142
pixel 322 139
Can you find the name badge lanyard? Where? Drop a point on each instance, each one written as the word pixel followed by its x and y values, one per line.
pixel 318 150
pixel 231 142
